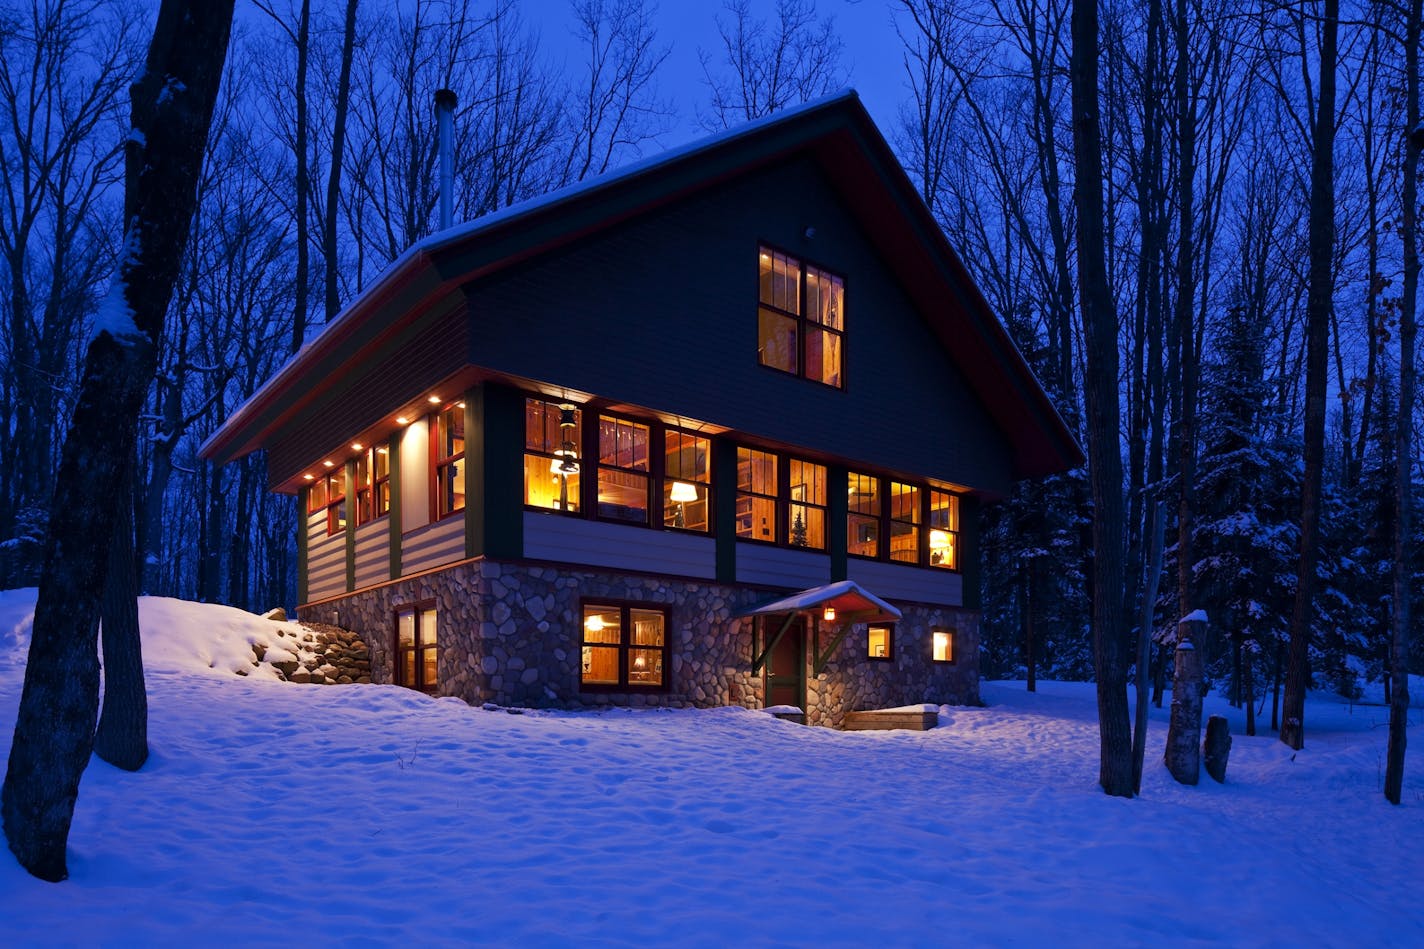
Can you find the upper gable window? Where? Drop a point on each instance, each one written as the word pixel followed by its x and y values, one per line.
pixel 801 318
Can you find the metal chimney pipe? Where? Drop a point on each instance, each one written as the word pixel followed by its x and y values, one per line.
pixel 445 118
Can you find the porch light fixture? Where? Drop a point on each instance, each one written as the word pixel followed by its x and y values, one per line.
pixel 829 615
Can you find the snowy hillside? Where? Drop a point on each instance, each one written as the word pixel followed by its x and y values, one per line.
pixel 273 813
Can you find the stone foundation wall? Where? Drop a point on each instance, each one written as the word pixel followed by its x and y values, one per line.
pixel 510 633
pixel 853 682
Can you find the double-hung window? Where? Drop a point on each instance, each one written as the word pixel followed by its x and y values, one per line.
pixel 800 318
pixel 417 648
pixel 624 646
pixel 373 484
pixel 552 436
pixel 944 530
pixel 863 517
pixel 905 513
pixel 449 452
pixel 687 478
pixel 757 485
pixel 623 455
pixel 806 508
pixel 328 493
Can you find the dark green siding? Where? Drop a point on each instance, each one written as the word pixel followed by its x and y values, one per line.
pixel 494 492
pixel 660 311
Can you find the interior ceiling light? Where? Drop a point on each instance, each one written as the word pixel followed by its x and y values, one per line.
pixel 594 624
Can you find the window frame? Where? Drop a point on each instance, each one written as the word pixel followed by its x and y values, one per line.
pixel 924 525
pixel 624 645
pixel 889 642
pixel 665 480
pixel 650 512
pixel 949 638
pixel 398 652
pixel 332 506
pixel 574 493
pixel 440 462
pixel 369 496
pixel 783 502
pixel 804 322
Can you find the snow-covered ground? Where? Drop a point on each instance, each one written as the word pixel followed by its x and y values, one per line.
pixel 273 813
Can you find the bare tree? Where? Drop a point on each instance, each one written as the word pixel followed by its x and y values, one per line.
pixel 615 106
pixel 1402 568
pixel 1321 231
pixel 772 65
pixel 1110 647
pixel 63 67
pixel 54 732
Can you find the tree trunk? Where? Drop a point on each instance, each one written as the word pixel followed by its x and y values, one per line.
pixel 1030 659
pixel 54 731
pixel 1318 303
pixel 122 738
pixel 1402 572
pixel 303 181
pixel 1183 756
pixel 1144 640
pixel 1216 749
pixel 338 149
pixel 1101 381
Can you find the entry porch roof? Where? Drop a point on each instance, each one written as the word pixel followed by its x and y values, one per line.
pixel 852 603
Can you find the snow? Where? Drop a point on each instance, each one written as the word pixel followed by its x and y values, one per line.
pixel 272 813
pixel 115 316
pixel 1195 616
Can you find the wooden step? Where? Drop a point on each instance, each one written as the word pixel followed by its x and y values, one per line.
pixel 917 718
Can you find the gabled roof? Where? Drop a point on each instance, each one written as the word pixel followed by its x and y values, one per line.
pixel 836 132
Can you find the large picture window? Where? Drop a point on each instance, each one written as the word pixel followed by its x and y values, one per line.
pixel 623 455
pixel 687 476
pixel 552 435
pixel 417 648
pixel 800 318
pixel 449 450
pixel 624 646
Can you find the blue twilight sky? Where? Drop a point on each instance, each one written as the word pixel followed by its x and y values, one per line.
pixel 872 51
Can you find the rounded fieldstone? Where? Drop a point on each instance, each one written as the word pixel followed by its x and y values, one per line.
pixel 489 665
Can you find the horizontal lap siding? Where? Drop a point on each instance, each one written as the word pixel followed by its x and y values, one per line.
pixel 893 581
pixel 571 540
pixel 373 553
pixel 435 544
pixel 401 373
pixel 779 567
pixel 326 559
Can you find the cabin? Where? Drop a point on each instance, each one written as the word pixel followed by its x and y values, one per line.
pixel 711 429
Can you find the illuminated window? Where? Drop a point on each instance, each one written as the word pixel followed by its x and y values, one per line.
pixel 623 470
pixel 449 451
pixel 806 509
pixel 551 470
pixel 943 646
pixel 800 318
pixel 881 642
pixel 417 649
pixel 329 493
pixel 905 522
pixel 624 647
pixel 757 484
pixel 944 530
pixel 686 479
pixel 863 519
pixel 373 484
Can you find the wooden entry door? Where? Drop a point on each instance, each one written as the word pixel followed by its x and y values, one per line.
pixel 786 666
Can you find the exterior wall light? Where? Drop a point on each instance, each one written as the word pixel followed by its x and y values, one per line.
pixel 829 615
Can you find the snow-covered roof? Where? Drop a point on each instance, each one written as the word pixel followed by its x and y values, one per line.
pixel 850 601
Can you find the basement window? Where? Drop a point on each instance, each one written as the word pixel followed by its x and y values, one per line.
pixel 942 646
pixel 881 642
